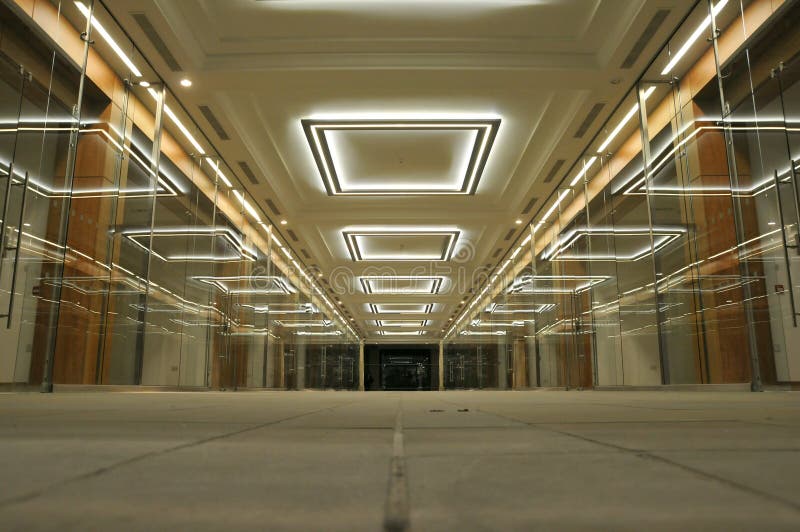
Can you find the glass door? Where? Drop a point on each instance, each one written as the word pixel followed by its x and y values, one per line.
pixel 36 126
pixel 11 183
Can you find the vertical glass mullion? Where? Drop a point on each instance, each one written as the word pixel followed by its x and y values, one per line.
pixel 646 162
pixel 744 268
pixel 69 175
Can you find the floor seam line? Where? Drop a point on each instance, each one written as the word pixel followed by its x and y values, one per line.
pixel 152 454
pixel 644 454
pixel 396 509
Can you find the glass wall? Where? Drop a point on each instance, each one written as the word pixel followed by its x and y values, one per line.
pixel 131 255
pixel 669 255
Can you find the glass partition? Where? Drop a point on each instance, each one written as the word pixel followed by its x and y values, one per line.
pixel 669 254
pixel 132 255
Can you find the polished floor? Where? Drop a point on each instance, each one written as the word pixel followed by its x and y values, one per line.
pixel 413 460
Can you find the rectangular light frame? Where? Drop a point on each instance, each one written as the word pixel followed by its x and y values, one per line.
pixel 435 286
pixel 283 286
pixel 486 132
pixel 357 254
pixel 375 308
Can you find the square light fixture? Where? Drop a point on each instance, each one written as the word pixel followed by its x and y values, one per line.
pixel 630 243
pixel 493 323
pixel 400 308
pixel 401 284
pixel 401 156
pixel 554 284
pixel 400 323
pixel 249 284
pixel 281 308
pixel 401 244
pixel 519 308
pixel 169 243
pixel 315 323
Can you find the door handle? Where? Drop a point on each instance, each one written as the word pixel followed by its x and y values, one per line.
pixel 785 244
pixel 16 248
pixel 4 221
pixel 795 174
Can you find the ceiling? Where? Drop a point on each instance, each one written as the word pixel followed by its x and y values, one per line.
pixel 401 138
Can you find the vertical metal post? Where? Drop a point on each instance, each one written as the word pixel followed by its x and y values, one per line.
pixel 361 366
pixel 154 171
pixel 646 158
pixel 69 178
pixel 744 269
pixel 441 365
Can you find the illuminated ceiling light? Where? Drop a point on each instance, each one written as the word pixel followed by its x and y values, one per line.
pixel 320 333
pixel 284 222
pixel 401 284
pixel 153 239
pixel 693 38
pixel 401 333
pixel 555 205
pixel 144 84
pixel 401 323
pixel 181 127
pixel 282 308
pixel 358 242
pixel 583 171
pixel 317 133
pixel 491 323
pixel 554 284
pixel 623 122
pixel 248 284
pixel 661 237
pixel 400 308
pixel 246 204
pixel 518 221
pixel 482 333
pixel 186 82
pixel 519 308
pixel 213 164
pixel 320 323
pixel 114 46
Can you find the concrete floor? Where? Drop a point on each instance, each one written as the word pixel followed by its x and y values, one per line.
pixel 450 461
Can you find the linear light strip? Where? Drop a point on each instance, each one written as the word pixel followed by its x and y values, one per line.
pixel 693 38
pixel 111 42
pixel 315 132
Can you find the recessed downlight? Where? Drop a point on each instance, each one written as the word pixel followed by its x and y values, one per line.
pixel 186 82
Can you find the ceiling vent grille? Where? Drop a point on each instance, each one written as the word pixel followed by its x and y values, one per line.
pixel 651 29
pixel 157 42
pixel 510 234
pixel 272 207
pixel 554 170
pixel 212 120
pixel 587 122
pixel 530 205
pixel 248 172
pixel 292 235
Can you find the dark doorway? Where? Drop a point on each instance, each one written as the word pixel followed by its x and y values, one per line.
pixel 400 367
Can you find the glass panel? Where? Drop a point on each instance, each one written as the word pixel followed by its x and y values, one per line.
pixel 37 123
